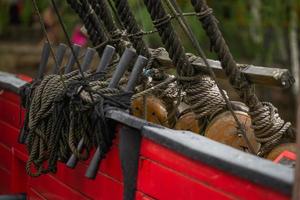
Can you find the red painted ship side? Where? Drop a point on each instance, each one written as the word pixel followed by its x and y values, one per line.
pixel 172 165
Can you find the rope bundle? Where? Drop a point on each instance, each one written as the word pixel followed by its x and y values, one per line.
pixel 196 87
pixel 204 97
pixel 202 92
pixel 268 126
pixel 60 113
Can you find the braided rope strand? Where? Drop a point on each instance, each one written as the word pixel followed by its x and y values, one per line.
pixel 102 11
pixel 97 37
pixel 58 116
pixel 184 69
pixel 268 127
pixel 132 27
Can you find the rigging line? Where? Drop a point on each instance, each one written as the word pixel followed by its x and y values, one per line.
pixel 47 37
pixel 103 14
pixel 98 23
pixel 96 34
pixel 129 22
pixel 67 37
pixel 187 29
pixel 142 33
pixel 70 44
pixel 114 10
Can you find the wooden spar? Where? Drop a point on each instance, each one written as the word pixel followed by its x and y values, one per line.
pixel 256 74
pixel 268 76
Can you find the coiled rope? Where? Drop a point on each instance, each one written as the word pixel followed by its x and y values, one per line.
pixel 268 127
pixel 185 71
pixel 58 116
pixel 204 97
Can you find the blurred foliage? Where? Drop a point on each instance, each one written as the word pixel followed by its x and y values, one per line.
pixel 267 44
pixel 27 13
pixel 259 40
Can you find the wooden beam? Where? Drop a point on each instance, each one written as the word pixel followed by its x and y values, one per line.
pixel 256 74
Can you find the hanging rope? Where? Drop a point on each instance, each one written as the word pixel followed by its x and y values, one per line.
pixel 59 116
pixel 173 6
pixel 103 13
pixel 97 36
pixel 268 127
pixel 62 112
pixel 185 71
pixel 132 27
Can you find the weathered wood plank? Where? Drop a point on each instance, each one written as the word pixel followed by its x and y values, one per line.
pixel 256 74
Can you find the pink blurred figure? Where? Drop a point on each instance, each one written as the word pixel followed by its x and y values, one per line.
pixel 78 36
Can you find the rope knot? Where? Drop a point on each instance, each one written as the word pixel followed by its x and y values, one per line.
pixel 162 21
pixel 268 127
pixel 203 95
pixel 204 13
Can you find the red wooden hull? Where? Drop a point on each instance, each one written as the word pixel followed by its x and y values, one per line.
pixel 163 173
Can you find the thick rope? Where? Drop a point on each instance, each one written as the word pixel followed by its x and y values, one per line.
pixel 101 9
pixel 204 97
pixel 154 88
pixel 57 118
pixel 132 27
pixel 97 36
pixel 175 9
pixel 269 128
pixel 169 37
pixel 185 70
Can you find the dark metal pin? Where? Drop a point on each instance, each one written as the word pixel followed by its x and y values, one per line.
pixel 71 62
pixel 123 64
pixel 61 50
pixel 138 67
pixel 43 61
pixel 88 58
pixel 140 63
pixel 106 58
pixel 72 162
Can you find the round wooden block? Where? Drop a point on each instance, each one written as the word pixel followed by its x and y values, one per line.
pixel 188 122
pixel 223 129
pixel 281 148
pixel 156 110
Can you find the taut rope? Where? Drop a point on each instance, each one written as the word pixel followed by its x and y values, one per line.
pixel 268 127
